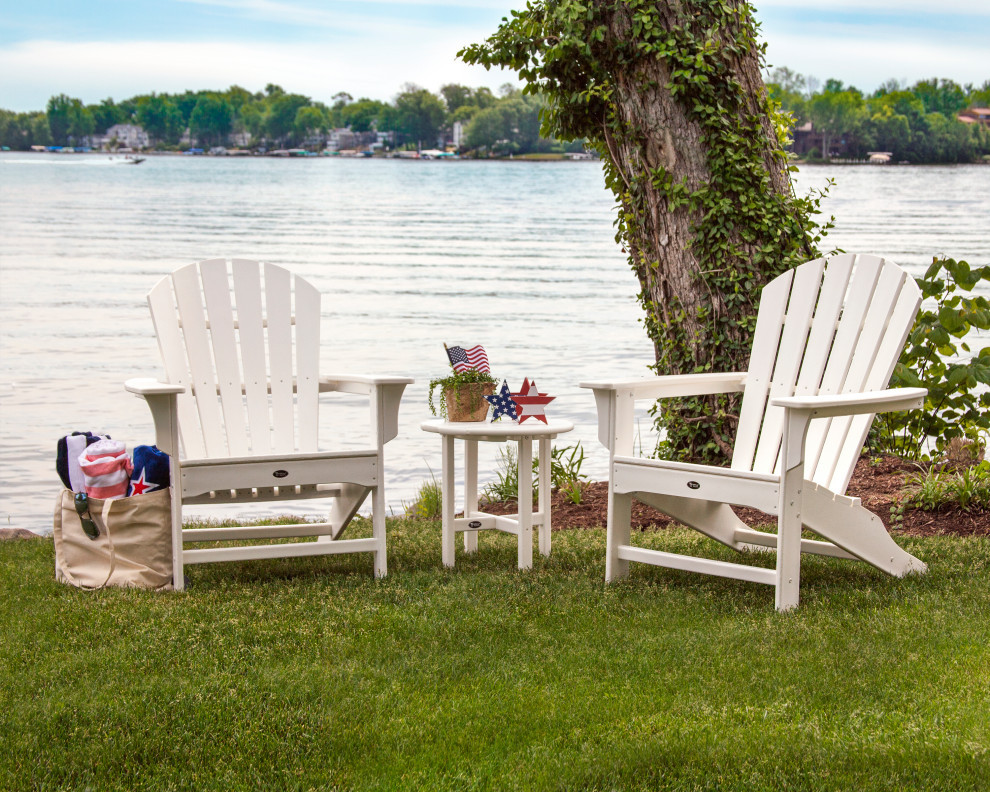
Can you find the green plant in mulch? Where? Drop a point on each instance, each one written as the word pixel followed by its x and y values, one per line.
pixel 450 384
pixel 565 474
pixel 937 488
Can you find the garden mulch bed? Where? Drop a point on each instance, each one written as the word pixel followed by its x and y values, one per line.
pixel 877 484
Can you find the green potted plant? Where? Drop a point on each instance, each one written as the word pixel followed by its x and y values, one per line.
pixel 462 395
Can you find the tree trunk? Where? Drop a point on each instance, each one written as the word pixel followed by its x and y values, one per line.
pixel 670 94
pixel 664 246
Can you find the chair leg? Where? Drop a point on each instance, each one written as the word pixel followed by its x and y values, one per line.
pixel 617 533
pixel 178 575
pixel 378 530
pixel 789 540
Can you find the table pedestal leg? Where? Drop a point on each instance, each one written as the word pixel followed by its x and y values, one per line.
pixel 470 491
pixel 447 496
pixel 525 503
pixel 544 502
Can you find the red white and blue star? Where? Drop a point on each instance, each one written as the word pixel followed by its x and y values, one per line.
pixel 530 402
pixel 502 404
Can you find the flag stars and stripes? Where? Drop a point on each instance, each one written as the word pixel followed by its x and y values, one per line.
pixel 470 359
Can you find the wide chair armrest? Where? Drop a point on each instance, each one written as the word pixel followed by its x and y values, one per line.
pixel 148 386
pixel 826 406
pixel 673 385
pixel 161 400
pixel 358 383
pixel 385 393
pixel 615 400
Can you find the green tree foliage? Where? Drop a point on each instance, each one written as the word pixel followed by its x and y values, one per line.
pixel 59 111
pixel 280 120
pixel 916 124
pixel 310 120
pixel 941 96
pixel 419 115
pixel 106 114
pixel 211 120
pixel 361 116
pixel 20 131
pixel 160 117
pixel 836 112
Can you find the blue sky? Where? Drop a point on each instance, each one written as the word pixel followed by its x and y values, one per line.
pixel 119 48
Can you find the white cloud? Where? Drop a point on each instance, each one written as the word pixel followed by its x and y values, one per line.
pixel 865 61
pixel 376 67
pixel 900 7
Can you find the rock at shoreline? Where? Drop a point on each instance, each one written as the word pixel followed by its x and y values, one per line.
pixel 17 533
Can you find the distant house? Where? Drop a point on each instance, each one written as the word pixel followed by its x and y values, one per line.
pixel 339 139
pixel 805 138
pixel 127 136
pixel 879 157
pixel 975 115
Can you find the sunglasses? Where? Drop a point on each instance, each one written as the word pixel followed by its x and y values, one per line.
pixel 82 509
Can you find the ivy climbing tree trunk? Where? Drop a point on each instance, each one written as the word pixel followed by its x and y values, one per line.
pixel 671 96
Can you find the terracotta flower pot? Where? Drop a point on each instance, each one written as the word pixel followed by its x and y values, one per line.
pixel 467 402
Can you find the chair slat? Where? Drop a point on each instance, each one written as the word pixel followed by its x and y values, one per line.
pixel 164 315
pixel 862 284
pixel 307 325
pixel 835 285
pixel 805 287
pixel 278 309
pixel 766 337
pixel 216 290
pixel 901 321
pixel 251 333
pixel 863 357
pixel 188 295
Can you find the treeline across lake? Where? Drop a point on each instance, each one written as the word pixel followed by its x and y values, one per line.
pixel 470 118
pixel 932 121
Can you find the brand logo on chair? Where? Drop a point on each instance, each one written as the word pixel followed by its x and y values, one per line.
pixel 694 485
pixel 280 473
pixel 474 524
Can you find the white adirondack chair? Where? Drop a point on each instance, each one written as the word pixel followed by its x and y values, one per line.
pixel 827 338
pixel 241 345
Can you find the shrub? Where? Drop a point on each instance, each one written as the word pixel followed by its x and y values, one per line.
pixel 938 357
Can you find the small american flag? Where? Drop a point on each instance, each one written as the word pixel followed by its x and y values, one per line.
pixel 466 359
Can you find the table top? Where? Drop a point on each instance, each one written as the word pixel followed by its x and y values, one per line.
pixel 501 430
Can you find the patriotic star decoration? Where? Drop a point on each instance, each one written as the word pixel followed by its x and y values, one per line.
pixel 531 402
pixel 139 486
pixel 503 404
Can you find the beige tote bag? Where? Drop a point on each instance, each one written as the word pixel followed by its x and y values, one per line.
pixel 133 548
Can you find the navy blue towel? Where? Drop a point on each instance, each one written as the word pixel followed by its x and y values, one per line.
pixel 150 470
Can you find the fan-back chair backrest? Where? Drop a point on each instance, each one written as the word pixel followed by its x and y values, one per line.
pixel 830 326
pixel 244 338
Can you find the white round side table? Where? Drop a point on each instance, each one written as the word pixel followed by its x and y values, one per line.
pixel 474 520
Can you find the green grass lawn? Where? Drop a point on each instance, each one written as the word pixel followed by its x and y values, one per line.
pixel 309 674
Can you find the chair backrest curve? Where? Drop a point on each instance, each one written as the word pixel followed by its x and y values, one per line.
pixel 244 338
pixel 830 326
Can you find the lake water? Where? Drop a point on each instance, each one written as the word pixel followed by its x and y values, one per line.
pixel 519 257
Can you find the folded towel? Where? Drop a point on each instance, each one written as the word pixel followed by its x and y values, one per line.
pixel 67 458
pixel 150 470
pixel 106 469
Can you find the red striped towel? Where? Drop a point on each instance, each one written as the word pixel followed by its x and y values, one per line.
pixel 106 469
